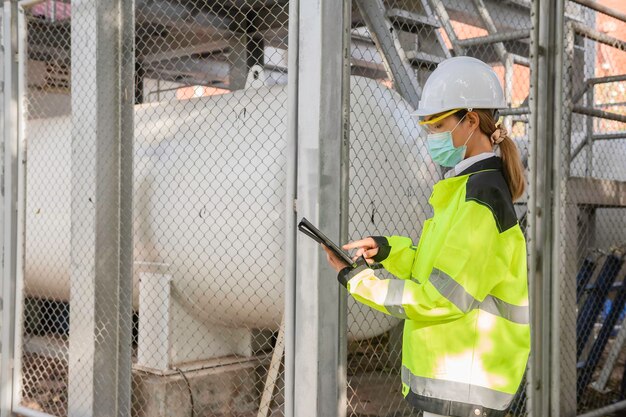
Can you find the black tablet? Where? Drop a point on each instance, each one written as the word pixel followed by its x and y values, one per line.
pixel 314 233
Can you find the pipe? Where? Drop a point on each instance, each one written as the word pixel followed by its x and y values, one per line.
pixel 599 113
pixel 520 60
pixel 495 38
pixel 598 36
pixel 515 111
pixel 597 80
pixel 610 79
pixel 605 136
pixel 609 11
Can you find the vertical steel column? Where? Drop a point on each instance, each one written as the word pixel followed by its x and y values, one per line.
pixel 101 238
pixel 344 204
pixel 10 201
pixel 319 359
pixel 546 57
pixel 126 155
pixel 22 54
pixel 291 183
pixel 565 229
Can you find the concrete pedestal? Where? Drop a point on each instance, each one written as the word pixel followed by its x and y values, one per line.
pixel 222 390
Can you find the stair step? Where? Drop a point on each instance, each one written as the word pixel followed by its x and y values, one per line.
pixel 409 21
pixel 419 58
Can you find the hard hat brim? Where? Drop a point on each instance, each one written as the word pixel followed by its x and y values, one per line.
pixel 429 111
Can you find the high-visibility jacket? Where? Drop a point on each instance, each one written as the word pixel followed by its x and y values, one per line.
pixel 463 293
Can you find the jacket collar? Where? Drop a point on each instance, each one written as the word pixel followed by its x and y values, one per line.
pixel 486 164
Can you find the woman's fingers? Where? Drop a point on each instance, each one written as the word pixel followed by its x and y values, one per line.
pixel 367 243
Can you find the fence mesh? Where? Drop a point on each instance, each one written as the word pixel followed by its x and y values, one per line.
pixel 210 134
pixel 47 233
pixel 594 283
pixel 425 32
pixel 209 210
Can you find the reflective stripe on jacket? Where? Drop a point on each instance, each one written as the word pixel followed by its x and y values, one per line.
pixel 463 292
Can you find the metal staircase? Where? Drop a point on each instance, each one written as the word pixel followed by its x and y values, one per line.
pixel 410 36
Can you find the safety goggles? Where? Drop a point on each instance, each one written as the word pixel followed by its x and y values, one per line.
pixel 428 125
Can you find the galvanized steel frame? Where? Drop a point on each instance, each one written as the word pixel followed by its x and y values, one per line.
pixel 22 55
pixel 102 144
pixel 545 138
pixel 11 119
pixel 319 345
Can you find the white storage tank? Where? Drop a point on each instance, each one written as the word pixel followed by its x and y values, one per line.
pixel 209 197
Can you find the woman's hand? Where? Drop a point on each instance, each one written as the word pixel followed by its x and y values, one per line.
pixel 368 248
pixel 365 247
pixel 336 263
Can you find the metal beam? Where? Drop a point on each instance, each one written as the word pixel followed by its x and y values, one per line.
pixel 319 362
pixel 394 58
pixel 101 207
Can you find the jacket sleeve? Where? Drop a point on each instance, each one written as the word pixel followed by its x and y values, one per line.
pixel 466 268
pixel 396 254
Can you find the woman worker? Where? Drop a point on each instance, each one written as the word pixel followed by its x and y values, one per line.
pixel 462 289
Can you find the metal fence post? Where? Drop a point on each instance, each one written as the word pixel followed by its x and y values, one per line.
pixel 9 195
pixel 290 210
pixel 319 362
pixel 546 56
pixel 101 241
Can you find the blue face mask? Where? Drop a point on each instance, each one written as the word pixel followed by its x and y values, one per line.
pixel 442 150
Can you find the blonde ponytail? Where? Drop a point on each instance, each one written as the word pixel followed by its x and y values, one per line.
pixel 513 168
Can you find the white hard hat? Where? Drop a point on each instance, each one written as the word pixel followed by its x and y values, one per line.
pixel 461 82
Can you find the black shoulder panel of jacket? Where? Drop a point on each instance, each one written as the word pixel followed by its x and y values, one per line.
pixel 490 189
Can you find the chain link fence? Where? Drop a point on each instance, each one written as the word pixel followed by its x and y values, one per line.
pixel 45 326
pixel 209 180
pixel 210 132
pixel 418 35
pixel 593 222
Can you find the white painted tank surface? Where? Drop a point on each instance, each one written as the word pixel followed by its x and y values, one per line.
pixel 210 198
